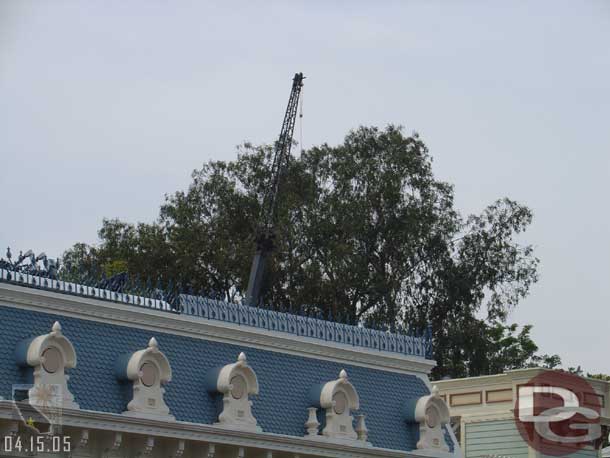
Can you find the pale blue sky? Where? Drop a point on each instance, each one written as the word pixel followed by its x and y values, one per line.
pixel 105 106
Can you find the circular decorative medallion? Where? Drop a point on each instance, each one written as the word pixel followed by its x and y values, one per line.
pixel 432 417
pixel 239 387
pixel 148 374
pixel 52 360
pixel 340 401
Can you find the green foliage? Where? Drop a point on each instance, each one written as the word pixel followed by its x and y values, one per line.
pixel 80 257
pixel 604 377
pixel 580 372
pixel 508 349
pixel 365 231
pixel 114 267
pixel 576 371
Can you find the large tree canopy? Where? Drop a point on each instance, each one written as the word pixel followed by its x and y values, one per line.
pixel 365 231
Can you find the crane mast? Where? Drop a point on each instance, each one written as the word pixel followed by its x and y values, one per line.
pixel 266 231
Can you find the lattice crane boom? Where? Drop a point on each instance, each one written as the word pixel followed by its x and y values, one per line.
pixel 266 231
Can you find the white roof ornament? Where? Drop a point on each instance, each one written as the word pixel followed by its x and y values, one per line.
pixel 432 414
pixel 338 398
pixel 152 343
pixel 148 370
pixel 236 382
pixel 50 355
pixel 330 389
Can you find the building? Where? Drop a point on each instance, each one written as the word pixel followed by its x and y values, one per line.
pixel 96 373
pixel 482 412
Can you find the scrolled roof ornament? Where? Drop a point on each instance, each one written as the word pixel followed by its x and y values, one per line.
pixel 148 370
pixel 339 398
pixel 49 355
pixel 432 414
pixel 236 382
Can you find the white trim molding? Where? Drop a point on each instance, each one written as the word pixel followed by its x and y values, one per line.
pixel 108 435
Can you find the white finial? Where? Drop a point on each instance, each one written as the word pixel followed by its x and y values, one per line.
pixel 361 429
pixel 343 374
pixel 312 424
pixel 242 357
pixel 152 343
pixel 435 391
pixel 56 327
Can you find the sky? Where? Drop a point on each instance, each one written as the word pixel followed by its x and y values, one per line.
pixel 107 106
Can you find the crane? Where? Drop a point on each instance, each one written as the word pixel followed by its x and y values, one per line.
pixel 266 230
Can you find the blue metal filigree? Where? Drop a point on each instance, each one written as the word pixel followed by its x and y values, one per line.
pixel 305 326
pixel 40 272
pixel 39 265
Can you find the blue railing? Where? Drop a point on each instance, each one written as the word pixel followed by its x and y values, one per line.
pixel 79 289
pixel 306 326
pixel 242 315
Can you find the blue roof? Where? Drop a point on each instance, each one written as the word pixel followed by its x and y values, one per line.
pixel 285 379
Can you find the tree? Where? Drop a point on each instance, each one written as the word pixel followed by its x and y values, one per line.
pixel 600 376
pixel 365 232
pixel 581 373
pixel 511 350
